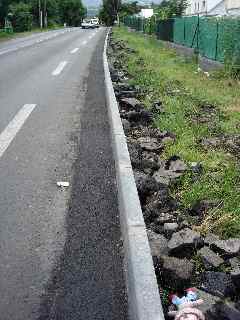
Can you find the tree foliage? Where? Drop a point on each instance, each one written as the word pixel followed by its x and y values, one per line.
pixel 110 11
pixel 170 8
pixel 21 17
pixel 56 11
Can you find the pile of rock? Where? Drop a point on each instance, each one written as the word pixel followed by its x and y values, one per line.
pixel 182 257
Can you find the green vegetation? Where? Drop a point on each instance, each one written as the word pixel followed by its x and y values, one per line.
pixel 25 14
pixel 196 107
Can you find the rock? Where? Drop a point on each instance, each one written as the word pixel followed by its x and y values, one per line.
pixel 176 165
pixel 150 144
pixel 126 94
pixel 209 258
pixel 126 125
pixel 169 228
pixel 218 283
pixel 223 311
pixel 210 238
pixel 210 302
pixel 162 176
pixel 196 168
pixel 235 276
pixel 165 217
pixel 184 242
pixel 158 244
pixel 201 207
pixel 234 262
pixel 131 104
pixel 146 185
pixel 155 228
pixel 227 248
pixel 135 153
pixel 146 117
pixel 139 117
pixel 174 168
pixel 157 107
pixel 211 142
pixel 176 273
pixel 123 87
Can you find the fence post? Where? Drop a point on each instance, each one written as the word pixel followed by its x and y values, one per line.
pixel 217 36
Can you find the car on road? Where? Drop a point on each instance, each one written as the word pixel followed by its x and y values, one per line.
pixel 90 24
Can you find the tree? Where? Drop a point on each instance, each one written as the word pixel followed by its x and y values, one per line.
pixel 21 16
pixel 170 8
pixel 129 9
pixel 110 11
pixel 71 12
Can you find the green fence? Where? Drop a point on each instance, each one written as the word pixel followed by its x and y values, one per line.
pixel 214 38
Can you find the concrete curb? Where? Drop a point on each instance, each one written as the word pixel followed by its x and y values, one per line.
pixel 143 295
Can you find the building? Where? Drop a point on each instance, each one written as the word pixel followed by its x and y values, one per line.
pixel 213 8
pixel 146 13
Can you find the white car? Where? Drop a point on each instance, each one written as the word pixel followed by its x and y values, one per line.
pixel 90 24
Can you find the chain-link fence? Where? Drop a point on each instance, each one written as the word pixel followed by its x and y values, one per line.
pixel 214 38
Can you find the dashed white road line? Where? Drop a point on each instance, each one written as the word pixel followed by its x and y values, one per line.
pixel 9 133
pixel 59 68
pixel 75 50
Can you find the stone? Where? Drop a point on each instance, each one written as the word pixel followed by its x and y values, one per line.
pixel 176 273
pixel 165 217
pixel 130 104
pixel 210 302
pixel 209 258
pixel 218 283
pixel 158 244
pixel 223 311
pixel 176 165
pixel 184 242
pixel 135 153
pixel 146 185
pixel 227 248
pixel 169 228
pixel 196 168
pixel 234 262
pixel 162 176
pixel 126 94
pixel 235 276
pixel 157 107
pixel 126 125
pixel 210 238
pixel 211 142
pixel 150 144
pixel 201 207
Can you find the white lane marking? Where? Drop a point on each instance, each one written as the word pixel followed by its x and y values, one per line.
pixel 9 133
pixel 59 68
pixel 84 42
pixel 75 50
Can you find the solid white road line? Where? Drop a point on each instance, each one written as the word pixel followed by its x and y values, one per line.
pixel 75 50
pixel 9 133
pixel 59 68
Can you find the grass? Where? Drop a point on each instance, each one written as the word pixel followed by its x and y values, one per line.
pixel 183 91
pixel 8 36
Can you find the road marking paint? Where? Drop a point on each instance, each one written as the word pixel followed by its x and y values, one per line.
pixel 9 133
pixel 75 50
pixel 59 68
pixel 84 42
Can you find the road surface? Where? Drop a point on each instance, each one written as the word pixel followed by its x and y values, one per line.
pixel 61 254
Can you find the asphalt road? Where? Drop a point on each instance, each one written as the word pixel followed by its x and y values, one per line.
pixel 61 255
